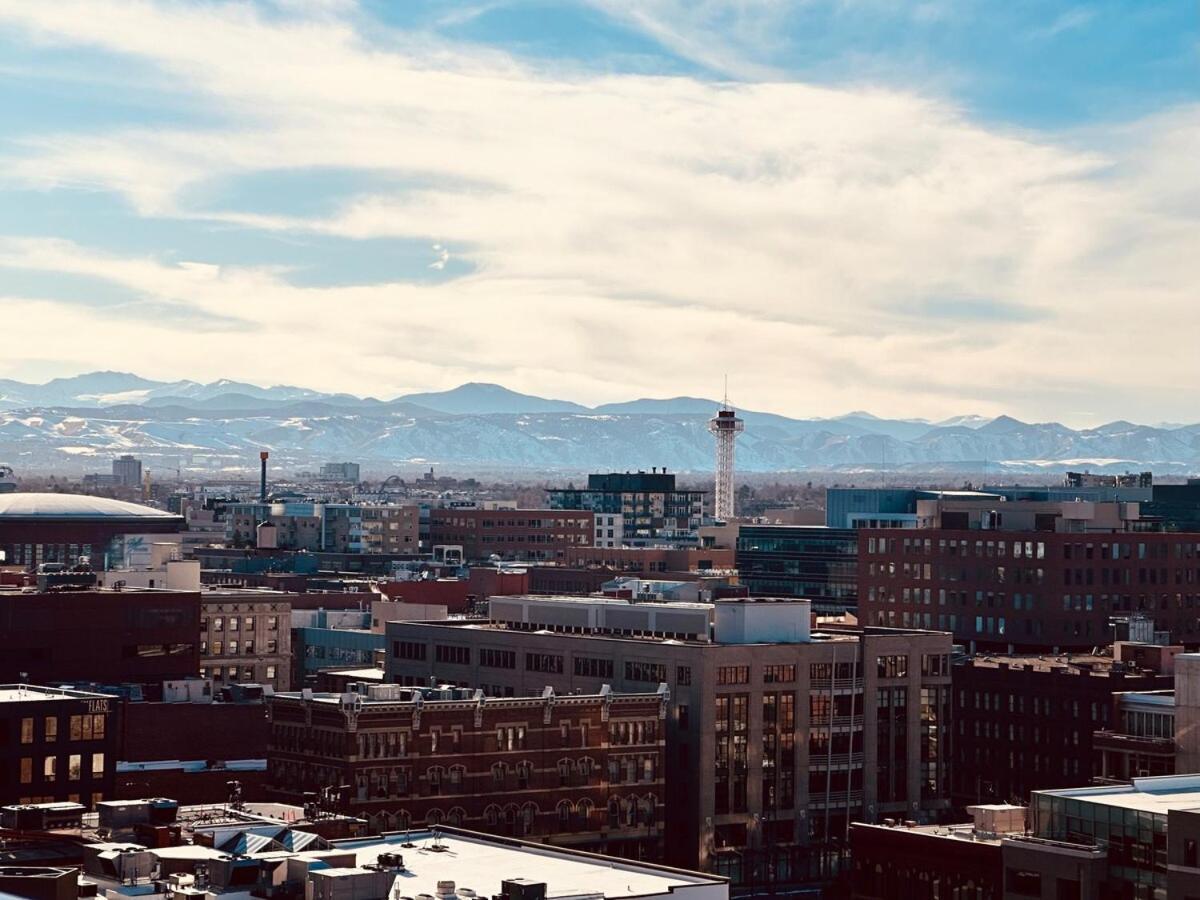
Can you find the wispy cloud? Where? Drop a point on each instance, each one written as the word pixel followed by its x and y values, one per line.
pixel 790 229
pixel 1070 20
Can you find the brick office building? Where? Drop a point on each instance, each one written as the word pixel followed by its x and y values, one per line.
pixel 777 738
pixel 1029 590
pixel 246 636
pixel 1026 723
pixel 579 770
pixel 543 535
pixel 56 745
pixel 105 636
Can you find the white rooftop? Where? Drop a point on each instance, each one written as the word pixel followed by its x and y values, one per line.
pixel 481 864
pixel 1154 795
pixel 30 693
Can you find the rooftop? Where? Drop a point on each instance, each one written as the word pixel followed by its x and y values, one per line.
pixel 481 863
pixel 29 693
pixel 74 506
pixel 1153 795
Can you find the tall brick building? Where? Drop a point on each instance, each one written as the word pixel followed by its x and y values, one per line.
pixel 1026 723
pixel 1029 590
pixel 584 770
pixel 512 534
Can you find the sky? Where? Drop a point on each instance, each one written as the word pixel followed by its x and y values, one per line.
pixel 911 207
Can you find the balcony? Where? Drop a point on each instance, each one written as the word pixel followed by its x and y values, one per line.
pixel 837 761
pixel 837 800
pixel 1132 743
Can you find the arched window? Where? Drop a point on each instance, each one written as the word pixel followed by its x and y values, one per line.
pixel 564 815
pixel 433 817
pixel 434 776
pixel 457 774
pixel 614 812
pixel 649 809
pixel 584 813
pixel 586 767
pixel 511 813
pixel 403 820
pixel 457 816
pixel 630 809
pixel 529 813
pixel 498 775
pixel 491 816
pixel 524 773
pixel 564 772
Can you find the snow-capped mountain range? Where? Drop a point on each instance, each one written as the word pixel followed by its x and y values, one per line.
pixel 78 423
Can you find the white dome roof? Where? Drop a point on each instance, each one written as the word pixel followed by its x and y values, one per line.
pixel 73 506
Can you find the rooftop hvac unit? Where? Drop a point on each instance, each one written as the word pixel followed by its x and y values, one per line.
pixel 523 889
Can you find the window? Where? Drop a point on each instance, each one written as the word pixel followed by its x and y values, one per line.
pixel 49 768
pixel 51 726
pixel 497 659
pixel 272 623
pixel 27 770
pixel 248 648
pixel 98 727
pixel 233 623
pixel 216 648
pixel 233 648
pixel 97 765
pixel 408 650
pixel 74 767
pixel 452 655
pixel 892 666
pixel 273 646
pixel 779 674
pixel 218 624
pixel 270 672
pixel 683 675
pixel 544 662
pixel 733 675
pixel 591 667
pixel 654 673
pixel 27 731
pixel 1023 882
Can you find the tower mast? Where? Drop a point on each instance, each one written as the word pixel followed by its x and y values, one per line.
pixel 725 426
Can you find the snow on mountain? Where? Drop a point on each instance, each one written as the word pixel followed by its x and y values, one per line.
pixel 73 422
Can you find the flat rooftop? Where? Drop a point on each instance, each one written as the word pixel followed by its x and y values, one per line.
pixel 30 693
pixel 481 863
pixel 1153 795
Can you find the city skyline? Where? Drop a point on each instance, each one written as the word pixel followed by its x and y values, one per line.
pixel 947 212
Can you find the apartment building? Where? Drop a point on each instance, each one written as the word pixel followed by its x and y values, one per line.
pixel 777 737
pixel 1033 576
pixel 653 510
pixel 584 770
pixel 57 745
pixel 327 527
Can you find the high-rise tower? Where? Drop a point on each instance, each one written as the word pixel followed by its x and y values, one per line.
pixel 725 427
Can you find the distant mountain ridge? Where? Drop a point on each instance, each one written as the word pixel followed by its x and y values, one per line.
pixel 79 422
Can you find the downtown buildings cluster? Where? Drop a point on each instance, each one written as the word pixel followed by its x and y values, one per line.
pixel 919 693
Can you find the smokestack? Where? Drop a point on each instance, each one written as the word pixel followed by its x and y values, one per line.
pixel 262 481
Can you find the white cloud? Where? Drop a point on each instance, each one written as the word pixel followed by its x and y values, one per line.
pixel 634 235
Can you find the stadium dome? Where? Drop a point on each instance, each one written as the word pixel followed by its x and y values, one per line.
pixel 76 507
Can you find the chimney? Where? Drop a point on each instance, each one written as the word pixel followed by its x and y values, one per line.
pixel 262 480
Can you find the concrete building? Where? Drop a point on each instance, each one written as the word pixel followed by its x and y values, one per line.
pixel 344 471
pixel 246 636
pixel 777 737
pixel 541 535
pixel 654 511
pixel 62 528
pixel 580 770
pixel 127 471
pixel 58 745
pixel 1140 742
